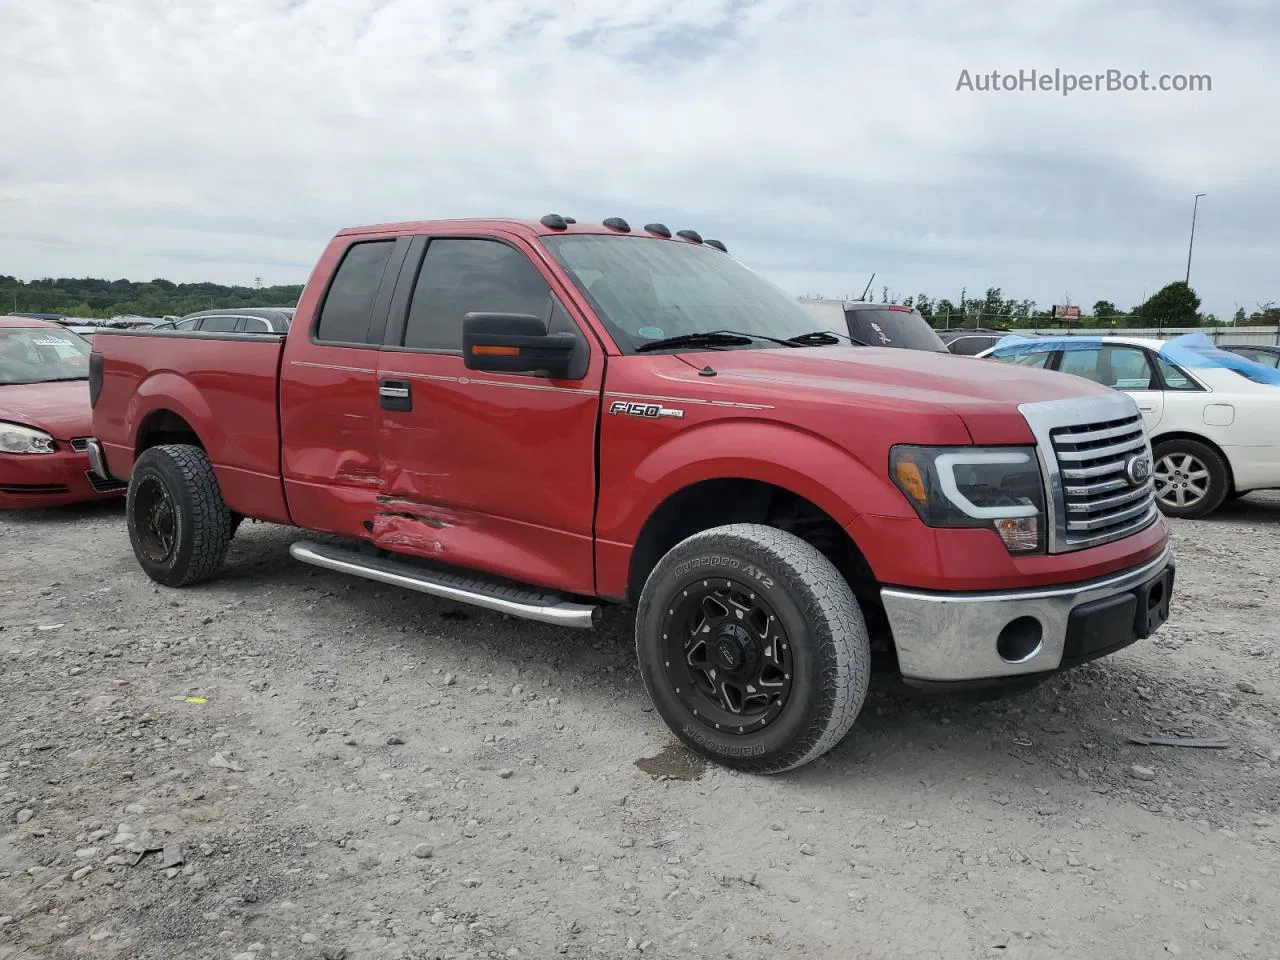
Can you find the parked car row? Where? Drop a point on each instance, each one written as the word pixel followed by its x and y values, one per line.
pixel 45 413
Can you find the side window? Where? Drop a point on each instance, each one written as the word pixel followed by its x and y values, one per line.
pixel 1124 368
pixel 461 276
pixel 186 324
pixel 1032 358
pixel 1174 379
pixel 348 306
pixel 256 325
pixel 219 324
pixel 971 346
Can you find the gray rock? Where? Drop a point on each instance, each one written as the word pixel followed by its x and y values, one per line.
pixel 220 762
pixel 506 774
pixel 806 849
pixel 1139 772
pixel 25 814
pixel 424 851
pixel 1244 686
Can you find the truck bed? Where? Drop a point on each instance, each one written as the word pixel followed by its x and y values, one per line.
pixel 156 384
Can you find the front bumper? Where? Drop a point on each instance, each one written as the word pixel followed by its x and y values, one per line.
pixel 967 637
pixel 52 480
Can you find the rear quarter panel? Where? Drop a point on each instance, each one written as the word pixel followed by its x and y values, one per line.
pixel 223 387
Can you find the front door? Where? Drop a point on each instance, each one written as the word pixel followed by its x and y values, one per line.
pixel 485 470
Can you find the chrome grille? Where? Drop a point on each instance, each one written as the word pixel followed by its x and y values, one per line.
pixel 1099 499
pixel 80 444
pixel 1087 444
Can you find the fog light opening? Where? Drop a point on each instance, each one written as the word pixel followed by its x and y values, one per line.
pixel 1020 640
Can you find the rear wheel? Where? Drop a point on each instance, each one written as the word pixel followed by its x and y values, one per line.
pixel 178 523
pixel 752 647
pixel 1190 478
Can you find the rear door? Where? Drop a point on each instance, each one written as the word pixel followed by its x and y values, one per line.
pixel 329 392
pixel 488 470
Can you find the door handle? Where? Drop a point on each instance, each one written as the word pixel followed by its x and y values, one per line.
pixel 395 395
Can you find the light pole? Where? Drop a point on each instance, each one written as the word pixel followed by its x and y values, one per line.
pixel 1194 206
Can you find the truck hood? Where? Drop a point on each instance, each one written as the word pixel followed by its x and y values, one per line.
pixel 985 394
pixel 59 409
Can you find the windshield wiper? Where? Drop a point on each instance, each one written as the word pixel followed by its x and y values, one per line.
pixel 711 338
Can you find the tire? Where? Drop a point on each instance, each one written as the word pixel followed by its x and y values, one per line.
pixel 1192 471
pixel 178 523
pixel 790 592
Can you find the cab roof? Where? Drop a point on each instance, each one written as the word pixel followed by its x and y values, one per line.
pixel 551 225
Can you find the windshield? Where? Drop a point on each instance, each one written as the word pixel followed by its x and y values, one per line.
pixel 41 355
pixel 893 328
pixel 648 289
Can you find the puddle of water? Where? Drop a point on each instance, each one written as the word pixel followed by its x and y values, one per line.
pixel 674 763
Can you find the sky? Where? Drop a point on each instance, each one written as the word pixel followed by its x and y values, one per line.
pixel 822 140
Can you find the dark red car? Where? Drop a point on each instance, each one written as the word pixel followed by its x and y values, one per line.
pixel 45 417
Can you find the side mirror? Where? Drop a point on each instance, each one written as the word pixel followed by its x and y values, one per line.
pixel 515 343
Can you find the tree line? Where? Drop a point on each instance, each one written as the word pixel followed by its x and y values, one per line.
pixel 1174 305
pixel 98 299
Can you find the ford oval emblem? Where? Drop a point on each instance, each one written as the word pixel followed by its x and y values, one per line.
pixel 1138 470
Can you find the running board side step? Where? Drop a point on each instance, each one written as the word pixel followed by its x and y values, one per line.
pixel 523 602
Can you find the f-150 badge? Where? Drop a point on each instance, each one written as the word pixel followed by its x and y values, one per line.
pixel 649 411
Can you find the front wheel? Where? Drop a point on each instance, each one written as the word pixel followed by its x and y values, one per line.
pixel 1190 477
pixel 178 524
pixel 752 647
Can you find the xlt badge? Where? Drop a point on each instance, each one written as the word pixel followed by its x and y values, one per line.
pixel 650 411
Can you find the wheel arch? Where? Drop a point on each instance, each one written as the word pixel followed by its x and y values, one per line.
pixel 163 426
pixel 719 501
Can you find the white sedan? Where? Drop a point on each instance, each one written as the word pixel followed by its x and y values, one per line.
pixel 1213 417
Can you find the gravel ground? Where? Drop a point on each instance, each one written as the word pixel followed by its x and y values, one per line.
pixel 289 763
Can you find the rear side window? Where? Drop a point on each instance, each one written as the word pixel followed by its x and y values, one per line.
pixel 348 306
pixel 972 346
pixel 461 276
pixel 1174 379
pixel 219 324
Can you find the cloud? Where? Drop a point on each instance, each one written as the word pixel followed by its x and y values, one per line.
pixel 819 138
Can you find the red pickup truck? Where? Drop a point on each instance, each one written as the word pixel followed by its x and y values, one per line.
pixel 543 417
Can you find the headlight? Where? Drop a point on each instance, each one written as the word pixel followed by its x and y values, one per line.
pixel 993 488
pixel 18 439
